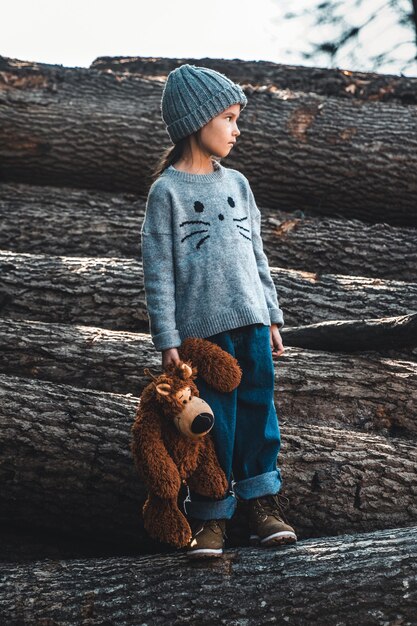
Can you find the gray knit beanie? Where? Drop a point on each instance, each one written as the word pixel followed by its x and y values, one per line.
pixel 193 95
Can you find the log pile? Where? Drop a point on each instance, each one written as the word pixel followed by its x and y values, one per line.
pixel 330 158
pixel 349 579
pixel 308 151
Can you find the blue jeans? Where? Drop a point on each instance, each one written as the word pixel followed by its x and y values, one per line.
pixel 246 431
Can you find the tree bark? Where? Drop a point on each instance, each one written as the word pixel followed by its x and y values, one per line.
pixel 321 154
pixel 340 246
pixel 370 393
pixel 338 82
pixel 383 334
pixel 109 292
pixel 29 543
pixel 63 220
pixel 365 579
pixel 66 464
pixel 78 290
pixel 54 220
pixel 84 356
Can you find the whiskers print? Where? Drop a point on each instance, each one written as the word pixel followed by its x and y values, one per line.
pixel 235 219
pixel 199 207
pixel 196 232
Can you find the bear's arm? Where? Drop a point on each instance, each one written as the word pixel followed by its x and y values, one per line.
pixel 152 459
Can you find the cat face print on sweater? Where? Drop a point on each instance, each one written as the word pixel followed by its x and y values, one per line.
pixel 214 223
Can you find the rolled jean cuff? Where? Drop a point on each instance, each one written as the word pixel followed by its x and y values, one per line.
pixel 216 509
pixel 258 486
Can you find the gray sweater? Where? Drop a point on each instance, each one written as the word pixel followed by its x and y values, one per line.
pixel 204 267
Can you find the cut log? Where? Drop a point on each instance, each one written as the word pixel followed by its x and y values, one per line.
pixel 339 246
pixel 79 290
pixel 109 292
pixel 339 82
pixel 356 335
pixel 70 468
pixel 64 220
pixel 66 464
pixel 368 578
pixel 59 221
pixel 84 356
pixel 326 155
pixel 369 393
pixel 20 545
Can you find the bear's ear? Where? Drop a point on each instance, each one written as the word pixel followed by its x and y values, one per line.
pixel 163 389
pixel 188 371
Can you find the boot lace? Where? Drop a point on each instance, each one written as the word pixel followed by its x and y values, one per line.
pixel 273 504
pixel 211 524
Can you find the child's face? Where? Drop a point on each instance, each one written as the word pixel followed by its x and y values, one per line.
pixel 221 132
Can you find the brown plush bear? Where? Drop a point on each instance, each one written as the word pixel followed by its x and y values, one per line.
pixel 171 443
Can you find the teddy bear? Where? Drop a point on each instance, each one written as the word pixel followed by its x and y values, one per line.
pixel 171 442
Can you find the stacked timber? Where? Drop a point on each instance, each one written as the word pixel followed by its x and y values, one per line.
pixel 330 156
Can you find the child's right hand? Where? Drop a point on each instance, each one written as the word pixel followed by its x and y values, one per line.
pixel 170 356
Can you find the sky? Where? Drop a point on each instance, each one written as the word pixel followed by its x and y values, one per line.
pixel 75 32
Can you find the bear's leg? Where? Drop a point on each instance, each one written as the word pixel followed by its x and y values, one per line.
pixel 164 521
pixel 209 479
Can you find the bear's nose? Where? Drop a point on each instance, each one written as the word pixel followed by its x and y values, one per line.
pixel 202 423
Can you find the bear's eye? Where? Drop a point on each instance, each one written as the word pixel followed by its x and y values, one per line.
pixel 231 201
pixel 184 401
pixel 189 398
pixel 198 206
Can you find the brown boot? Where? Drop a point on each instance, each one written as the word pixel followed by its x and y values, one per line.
pixel 208 538
pixel 267 523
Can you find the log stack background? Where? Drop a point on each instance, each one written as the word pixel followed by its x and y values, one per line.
pixel 331 157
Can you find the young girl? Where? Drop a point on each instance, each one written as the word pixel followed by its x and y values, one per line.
pixel 206 275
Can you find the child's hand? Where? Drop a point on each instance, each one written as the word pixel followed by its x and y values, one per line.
pixel 276 341
pixel 170 356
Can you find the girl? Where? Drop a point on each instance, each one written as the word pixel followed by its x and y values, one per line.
pixel 206 275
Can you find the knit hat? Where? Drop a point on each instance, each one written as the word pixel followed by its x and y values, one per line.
pixel 193 95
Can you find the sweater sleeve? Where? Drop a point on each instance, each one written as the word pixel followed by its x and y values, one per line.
pixel 158 270
pixel 275 312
